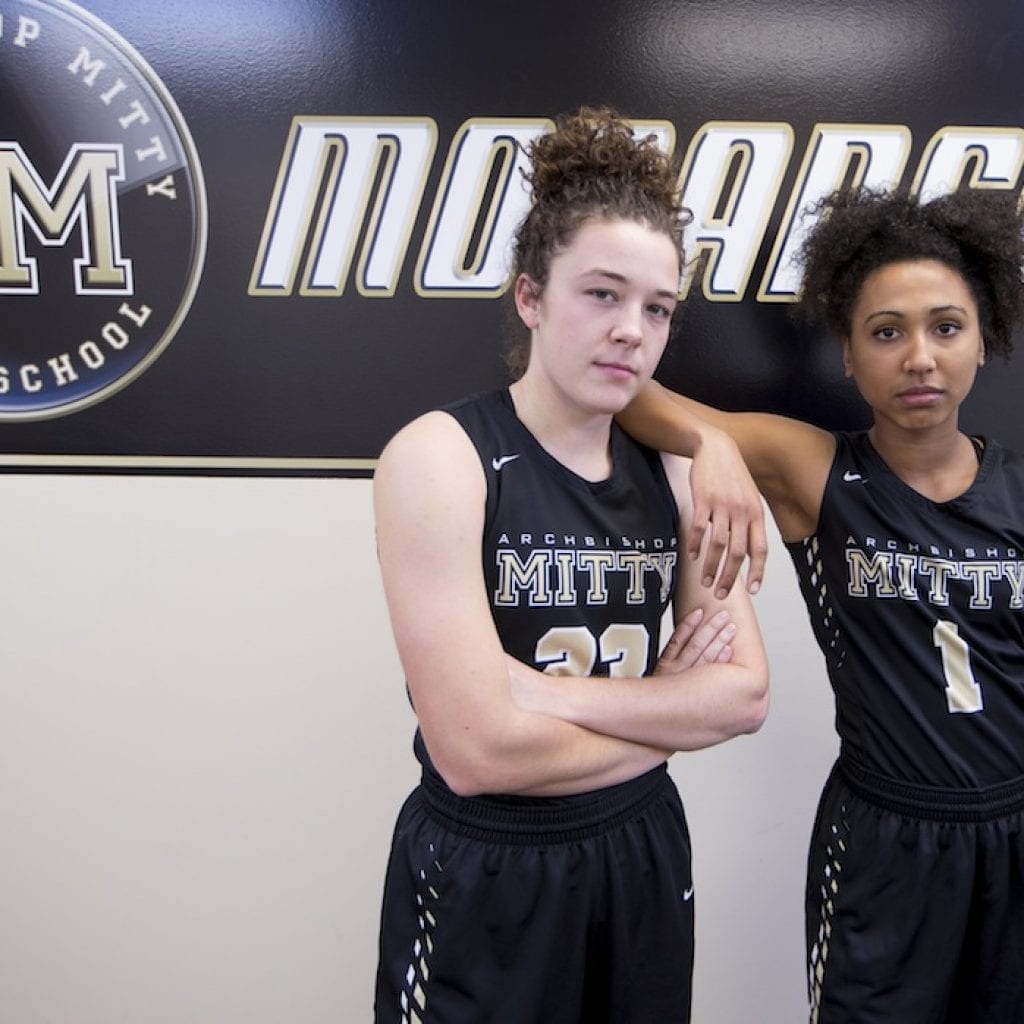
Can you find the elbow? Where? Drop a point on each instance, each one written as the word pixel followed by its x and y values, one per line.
pixel 473 772
pixel 467 784
pixel 756 715
pixel 490 754
pixel 463 777
pixel 755 706
pixel 481 756
pixel 463 786
pixel 489 774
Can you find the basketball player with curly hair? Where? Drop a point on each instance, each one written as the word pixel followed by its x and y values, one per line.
pixel 529 548
pixel 908 540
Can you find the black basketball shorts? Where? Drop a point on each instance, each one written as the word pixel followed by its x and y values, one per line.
pixel 915 903
pixel 519 911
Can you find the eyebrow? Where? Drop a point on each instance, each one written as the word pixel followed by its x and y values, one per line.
pixel 612 275
pixel 899 314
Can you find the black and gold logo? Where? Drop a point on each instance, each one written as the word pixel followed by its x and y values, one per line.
pixel 103 214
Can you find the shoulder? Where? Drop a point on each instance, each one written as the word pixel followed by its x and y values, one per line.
pixel 418 437
pixel 1002 465
pixel 429 497
pixel 1011 459
pixel 431 459
pixel 795 446
pixel 480 412
pixel 792 472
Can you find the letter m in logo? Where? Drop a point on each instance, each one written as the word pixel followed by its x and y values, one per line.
pixel 83 195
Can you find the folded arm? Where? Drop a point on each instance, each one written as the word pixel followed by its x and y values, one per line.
pixel 683 706
pixel 429 492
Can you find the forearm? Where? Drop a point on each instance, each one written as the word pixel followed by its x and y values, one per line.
pixel 728 517
pixel 531 754
pixel 698 708
pixel 669 422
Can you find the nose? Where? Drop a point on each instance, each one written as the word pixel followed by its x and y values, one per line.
pixel 628 327
pixel 918 357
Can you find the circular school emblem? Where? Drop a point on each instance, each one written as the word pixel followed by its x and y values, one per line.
pixel 103 215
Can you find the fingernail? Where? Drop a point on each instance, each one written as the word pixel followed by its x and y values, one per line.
pixel 707 581
pixel 721 594
pixel 754 587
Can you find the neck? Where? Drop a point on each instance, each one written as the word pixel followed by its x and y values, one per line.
pixel 580 441
pixel 939 466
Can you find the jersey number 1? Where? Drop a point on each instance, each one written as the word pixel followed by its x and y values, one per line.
pixel 963 694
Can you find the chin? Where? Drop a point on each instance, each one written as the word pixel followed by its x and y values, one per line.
pixel 613 404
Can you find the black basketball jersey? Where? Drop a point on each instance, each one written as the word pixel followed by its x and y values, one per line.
pixel 579 574
pixel 917 607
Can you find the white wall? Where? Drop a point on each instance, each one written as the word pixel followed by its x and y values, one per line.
pixel 204 741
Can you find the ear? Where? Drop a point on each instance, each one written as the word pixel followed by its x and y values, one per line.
pixel 981 352
pixel 847 360
pixel 527 296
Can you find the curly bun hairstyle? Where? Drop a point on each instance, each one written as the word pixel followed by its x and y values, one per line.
pixel 591 167
pixel 979 233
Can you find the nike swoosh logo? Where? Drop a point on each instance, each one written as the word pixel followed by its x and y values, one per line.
pixel 497 463
pixel 688 895
pixel 852 478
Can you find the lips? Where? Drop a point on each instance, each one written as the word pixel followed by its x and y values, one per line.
pixel 619 369
pixel 920 396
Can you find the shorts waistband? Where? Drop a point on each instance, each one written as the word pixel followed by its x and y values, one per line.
pixel 528 821
pixel 935 803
